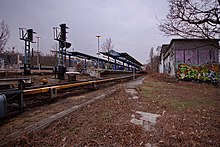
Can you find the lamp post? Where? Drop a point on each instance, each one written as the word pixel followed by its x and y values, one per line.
pixel 98 36
pixel 38 52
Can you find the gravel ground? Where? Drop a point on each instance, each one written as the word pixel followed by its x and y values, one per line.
pixel 188 116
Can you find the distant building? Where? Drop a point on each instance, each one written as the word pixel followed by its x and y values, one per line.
pixel 190 58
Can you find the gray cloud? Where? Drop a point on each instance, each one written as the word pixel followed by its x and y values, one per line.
pixel 131 24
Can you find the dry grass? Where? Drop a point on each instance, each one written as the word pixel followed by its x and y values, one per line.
pixel 190 117
pixel 190 112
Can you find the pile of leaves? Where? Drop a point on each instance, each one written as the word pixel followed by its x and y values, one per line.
pixel 162 78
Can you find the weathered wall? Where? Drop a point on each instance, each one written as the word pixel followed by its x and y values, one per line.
pixel 193 53
pixel 169 65
pixel 197 56
pixel 196 60
pixel 169 61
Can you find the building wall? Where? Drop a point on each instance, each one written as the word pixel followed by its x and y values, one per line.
pixel 196 52
pixel 197 57
pixel 191 58
pixel 161 68
pixel 196 60
pixel 169 62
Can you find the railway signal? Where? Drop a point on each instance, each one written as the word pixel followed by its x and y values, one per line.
pixel 27 36
pixel 63 32
pixel 30 34
pixel 60 36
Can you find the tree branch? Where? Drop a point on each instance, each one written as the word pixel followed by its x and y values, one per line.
pixel 187 18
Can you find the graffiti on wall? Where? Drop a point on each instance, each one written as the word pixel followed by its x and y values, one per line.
pixel 205 72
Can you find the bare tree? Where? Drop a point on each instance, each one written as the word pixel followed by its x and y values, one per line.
pixel 153 65
pixel 151 55
pixel 192 19
pixel 4 35
pixel 107 46
pixel 54 51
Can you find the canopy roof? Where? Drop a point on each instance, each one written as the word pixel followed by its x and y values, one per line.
pixel 88 57
pixel 124 57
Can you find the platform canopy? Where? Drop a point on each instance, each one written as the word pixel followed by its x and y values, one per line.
pixel 121 57
pixel 88 57
pixel 124 57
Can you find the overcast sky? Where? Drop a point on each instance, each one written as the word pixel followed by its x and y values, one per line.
pixel 131 24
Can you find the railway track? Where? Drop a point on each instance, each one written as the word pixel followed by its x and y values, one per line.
pixel 46 94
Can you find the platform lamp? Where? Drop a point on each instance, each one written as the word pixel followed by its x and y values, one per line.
pixel 98 36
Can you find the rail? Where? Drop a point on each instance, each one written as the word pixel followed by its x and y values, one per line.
pixel 21 95
pixel 72 85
